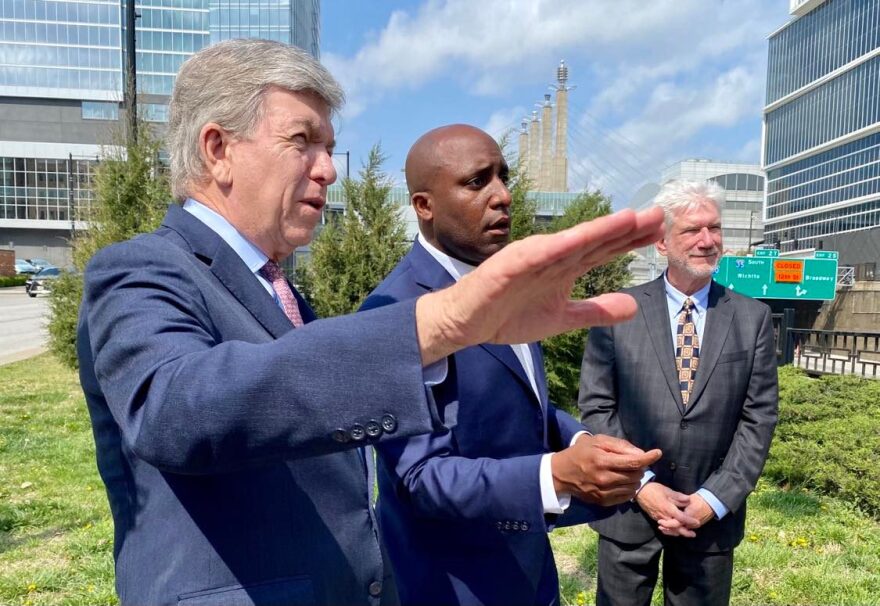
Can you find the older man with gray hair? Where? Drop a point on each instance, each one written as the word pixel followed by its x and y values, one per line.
pixel 693 374
pixel 227 419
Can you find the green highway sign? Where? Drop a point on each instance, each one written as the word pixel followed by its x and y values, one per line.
pixel 766 252
pixel 826 254
pixel 775 278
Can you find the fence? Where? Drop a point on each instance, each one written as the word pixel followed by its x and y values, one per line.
pixel 826 351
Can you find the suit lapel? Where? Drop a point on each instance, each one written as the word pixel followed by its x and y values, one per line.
pixel 231 271
pixel 719 318
pixel 432 276
pixel 655 310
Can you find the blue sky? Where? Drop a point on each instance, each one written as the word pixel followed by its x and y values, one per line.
pixel 657 81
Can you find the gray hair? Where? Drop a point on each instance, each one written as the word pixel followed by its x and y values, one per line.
pixel 227 84
pixel 678 195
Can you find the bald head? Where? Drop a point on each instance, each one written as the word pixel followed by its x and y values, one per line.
pixel 432 151
pixel 457 180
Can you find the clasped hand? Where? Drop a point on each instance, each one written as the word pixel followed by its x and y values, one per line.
pixel 676 513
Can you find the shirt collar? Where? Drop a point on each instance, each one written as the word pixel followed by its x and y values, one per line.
pixel 455 268
pixel 252 256
pixel 676 298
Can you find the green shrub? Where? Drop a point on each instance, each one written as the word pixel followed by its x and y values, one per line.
pixel 828 437
pixel 67 293
pixel 12 281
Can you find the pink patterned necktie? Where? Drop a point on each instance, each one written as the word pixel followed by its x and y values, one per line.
pixel 273 273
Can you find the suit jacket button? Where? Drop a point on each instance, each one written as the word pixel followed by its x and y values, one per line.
pixel 357 432
pixel 375 589
pixel 683 424
pixel 373 429
pixel 672 465
pixel 389 423
pixel 524 525
pixel 340 435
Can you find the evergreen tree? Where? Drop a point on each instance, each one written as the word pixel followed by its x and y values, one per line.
pixel 563 353
pixel 352 255
pixel 131 195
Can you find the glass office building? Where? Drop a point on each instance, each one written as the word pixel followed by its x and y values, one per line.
pixel 61 81
pixel 821 146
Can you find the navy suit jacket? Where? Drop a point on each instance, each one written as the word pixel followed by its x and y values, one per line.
pixel 225 438
pixel 460 510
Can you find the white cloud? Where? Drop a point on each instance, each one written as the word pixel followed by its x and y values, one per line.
pixel 657 75
pixel 502 121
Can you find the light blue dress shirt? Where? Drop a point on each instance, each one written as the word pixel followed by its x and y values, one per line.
pixel 675 301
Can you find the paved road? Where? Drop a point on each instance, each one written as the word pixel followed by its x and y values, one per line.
pixel 22 325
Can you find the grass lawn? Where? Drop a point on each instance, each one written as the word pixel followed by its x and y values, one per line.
pixel 56 535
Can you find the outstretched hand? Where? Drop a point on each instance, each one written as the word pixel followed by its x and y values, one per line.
pixel 522 293
pixel 600 469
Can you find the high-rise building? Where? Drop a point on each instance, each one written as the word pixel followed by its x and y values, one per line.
pixel 740 215
pixel 821 143
pixel 61 91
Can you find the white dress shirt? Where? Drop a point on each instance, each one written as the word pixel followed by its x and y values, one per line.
pixel 551 501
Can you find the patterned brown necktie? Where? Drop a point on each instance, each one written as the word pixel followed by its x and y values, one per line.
pixel 275 276
pixel 687 350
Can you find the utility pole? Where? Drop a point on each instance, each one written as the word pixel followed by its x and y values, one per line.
pixel 130 92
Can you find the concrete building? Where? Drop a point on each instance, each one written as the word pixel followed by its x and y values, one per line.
pixel 740 217
pixel 821 140
pixel 61 83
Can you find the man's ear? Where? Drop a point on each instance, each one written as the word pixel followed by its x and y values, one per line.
pixel 423 204
pixel 214 143
pixel 661 246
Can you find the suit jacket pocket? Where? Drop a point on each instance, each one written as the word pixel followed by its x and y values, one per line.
pixel 290 591
pixel 734 356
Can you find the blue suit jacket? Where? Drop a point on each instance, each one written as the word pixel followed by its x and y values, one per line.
pixel 226 439
pixel 460 510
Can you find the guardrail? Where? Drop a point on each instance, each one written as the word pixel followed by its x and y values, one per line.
pixel 822 352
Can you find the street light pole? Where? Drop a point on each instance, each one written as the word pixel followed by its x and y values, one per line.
pixel 130 92
pixel 751 217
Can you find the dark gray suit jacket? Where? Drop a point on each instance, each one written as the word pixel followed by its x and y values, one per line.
pixel 226 439
pixel 629 389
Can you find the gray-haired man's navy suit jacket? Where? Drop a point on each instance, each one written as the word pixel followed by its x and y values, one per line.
pixel 460 511
pixel 226 439
pixel 629 389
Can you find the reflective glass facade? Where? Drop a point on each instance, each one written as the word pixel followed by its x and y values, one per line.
pixel 297 22
pixel 168 32
pixel 71 52
pixel 822 144
pixel 827 38
pixel 60 49
pixel 843 105
pixel 75 49
pixel 44 189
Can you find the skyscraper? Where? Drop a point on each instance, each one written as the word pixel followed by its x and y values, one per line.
pixel 821 148
pixel 61 82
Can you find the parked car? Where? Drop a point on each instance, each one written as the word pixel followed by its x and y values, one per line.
pixel 39 263
pixel 23 267
pixel 41 282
